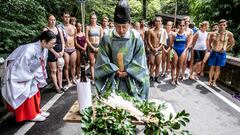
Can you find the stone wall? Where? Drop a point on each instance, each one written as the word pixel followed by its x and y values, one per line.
pixel 230 73
pixel 1 69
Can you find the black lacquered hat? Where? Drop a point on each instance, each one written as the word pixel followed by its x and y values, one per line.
pixel 122 12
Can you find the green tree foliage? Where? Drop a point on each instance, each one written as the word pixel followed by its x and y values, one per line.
pixel 101 8
pixel 168 6
pixel 153 7
pixel 107 7
pixel 20 21
pixel 57 7
pixel 136 10
pixel 213 11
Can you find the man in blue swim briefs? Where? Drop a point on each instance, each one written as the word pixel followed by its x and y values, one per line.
pixel 221 41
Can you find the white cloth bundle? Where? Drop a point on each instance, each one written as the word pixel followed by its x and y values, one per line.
pixel 60 62
pixel 118 102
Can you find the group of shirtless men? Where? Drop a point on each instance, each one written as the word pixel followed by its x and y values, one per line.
pixel 177 48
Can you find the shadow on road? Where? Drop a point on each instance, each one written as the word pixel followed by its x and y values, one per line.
pixel 166 86
pixel 202 89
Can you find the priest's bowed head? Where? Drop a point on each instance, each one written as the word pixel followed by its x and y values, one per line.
pixel 122 17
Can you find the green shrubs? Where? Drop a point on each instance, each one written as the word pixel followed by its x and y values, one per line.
pixel 20 22
pixel 111 116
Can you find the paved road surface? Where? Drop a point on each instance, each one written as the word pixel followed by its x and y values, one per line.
pixel 213 111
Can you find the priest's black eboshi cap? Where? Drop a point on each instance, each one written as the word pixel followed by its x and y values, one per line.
pixel 122 12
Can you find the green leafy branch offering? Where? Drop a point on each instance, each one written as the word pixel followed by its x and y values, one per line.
pixel 118 115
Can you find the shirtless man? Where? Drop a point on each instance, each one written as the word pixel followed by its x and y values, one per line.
pixel 221 41
pixel 189 32
pixel 105 25
pixel 155 45
pixel 73 20
pixel 143 30
pixel 214 28
pixel 111 25
pixel 137 28
pixel 70 54
pixel 147 48
pixel 142 26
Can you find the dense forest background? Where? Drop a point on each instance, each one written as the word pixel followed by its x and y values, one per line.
pixel 21 21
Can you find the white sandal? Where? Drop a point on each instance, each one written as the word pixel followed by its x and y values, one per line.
pixel 45 114
pixel 38 118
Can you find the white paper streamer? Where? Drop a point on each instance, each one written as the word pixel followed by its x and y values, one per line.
pixel 84 94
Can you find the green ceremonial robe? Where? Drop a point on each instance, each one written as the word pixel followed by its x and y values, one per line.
pixel 134 60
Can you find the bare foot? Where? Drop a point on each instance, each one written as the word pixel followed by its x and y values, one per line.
pixel 176 82
pixel 66 87
pixel 74 81
pixel 173 82
pixel 214 84
pixel 209 83
pixel 92 82
pixel 191 77
pixel 196 77
pixel 180 77
pixel 163 74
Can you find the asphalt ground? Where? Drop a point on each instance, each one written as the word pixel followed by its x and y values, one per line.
pixel 210 114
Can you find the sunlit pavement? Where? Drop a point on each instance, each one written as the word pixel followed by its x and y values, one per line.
pixel 212 110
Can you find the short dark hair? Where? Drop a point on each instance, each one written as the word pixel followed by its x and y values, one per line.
pixel 222 21
pixel 182 22
pixel 65 12
pixel 47 36
pixel 92 14
pixel 105 17
pixel 214 24
pixel 155 19
pixel 72 19
pixel 169 22
pixel 151 23
pixel 49 16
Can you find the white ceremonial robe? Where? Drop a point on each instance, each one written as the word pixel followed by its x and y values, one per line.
pixel 24 73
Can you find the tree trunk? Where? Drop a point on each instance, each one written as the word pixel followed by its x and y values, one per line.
pixel 144 7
